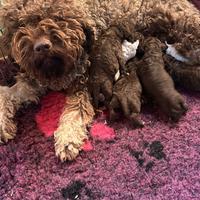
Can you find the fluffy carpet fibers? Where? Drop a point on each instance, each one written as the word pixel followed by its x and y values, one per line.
pixel 159 162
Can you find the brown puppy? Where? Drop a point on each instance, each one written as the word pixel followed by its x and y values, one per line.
pixel 127 96
pixel 107 59
pixel 108 62
pixel 157 82
pixel 183 74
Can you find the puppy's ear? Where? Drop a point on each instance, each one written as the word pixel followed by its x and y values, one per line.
pixel 89 31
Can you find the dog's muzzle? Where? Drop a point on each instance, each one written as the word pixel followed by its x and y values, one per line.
pixel 50 66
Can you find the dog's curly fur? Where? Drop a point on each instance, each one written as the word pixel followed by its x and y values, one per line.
pixel 70 135
pixel 69 28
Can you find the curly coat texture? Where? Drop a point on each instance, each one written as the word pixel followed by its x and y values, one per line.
pixel 106 58
pixel 183 74
pixel 126 96
pixel 157 82
pixel 108 61
pixel 67 29
pixel 70 135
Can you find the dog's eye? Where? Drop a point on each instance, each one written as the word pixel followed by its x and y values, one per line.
pixel 56 40
pixel 22 25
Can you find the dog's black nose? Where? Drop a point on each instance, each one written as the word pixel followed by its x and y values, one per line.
pixel 42 45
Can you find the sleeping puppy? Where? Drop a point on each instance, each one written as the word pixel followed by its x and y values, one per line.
pixel 127 96
pixel 157 82
pixel 106 60
pixel 108 57
pixel 182 73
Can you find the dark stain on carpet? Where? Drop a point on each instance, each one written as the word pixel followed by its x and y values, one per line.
pixel 75 189
pixel 156 150
pixel 138 155
pixel 145 144
pixel 149 166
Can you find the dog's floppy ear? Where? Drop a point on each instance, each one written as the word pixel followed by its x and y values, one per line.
pixel 89 31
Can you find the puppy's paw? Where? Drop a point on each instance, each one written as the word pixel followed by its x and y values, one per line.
pixel 100 88
pixel 178 111
pixel 177 108
pixel 129 107
pixel 7 111
pixel 136 121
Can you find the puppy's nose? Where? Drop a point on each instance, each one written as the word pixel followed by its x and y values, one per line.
pixel 42 45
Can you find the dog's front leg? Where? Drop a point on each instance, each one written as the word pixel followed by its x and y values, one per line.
pixel 72 131
pixel 11 99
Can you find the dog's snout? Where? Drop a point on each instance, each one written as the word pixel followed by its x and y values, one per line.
pixel 42 45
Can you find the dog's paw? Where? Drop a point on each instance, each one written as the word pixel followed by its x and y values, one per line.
pixel 69 140
pixel 136 121
pixel 67 152
pixel 100 87
pixel 7 111
pixel 7 130
pixel 176 108
pixel 178 111
pixel 129 106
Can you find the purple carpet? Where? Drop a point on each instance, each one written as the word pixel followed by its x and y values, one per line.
pixel 160 161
